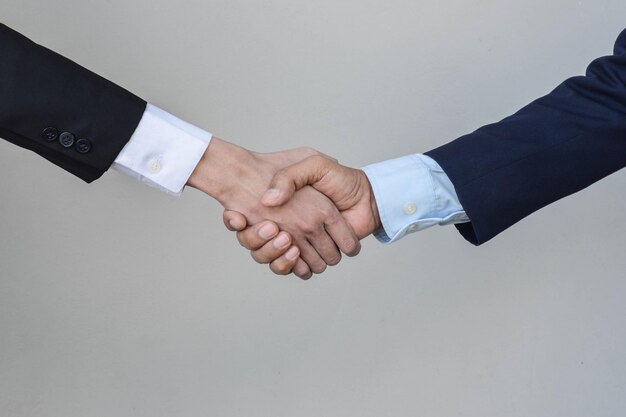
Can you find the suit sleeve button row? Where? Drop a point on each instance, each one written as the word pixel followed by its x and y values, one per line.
pixel 50 134
pixel 83 145
pixel 66 139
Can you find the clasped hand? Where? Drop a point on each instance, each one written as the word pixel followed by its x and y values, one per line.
pixel 296 210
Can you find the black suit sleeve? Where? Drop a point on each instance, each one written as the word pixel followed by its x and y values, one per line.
pixel 555 146
pixel 40 89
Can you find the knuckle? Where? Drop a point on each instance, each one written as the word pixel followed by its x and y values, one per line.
pixel 301 269
pixel 282 179
pixel 334 259
pixel 303 273
pixel 330 214
pixel 259 257
pixel 310 151
pixel 243 241
pixel 317 158
pixel 318 267
pixel 280 268
pixel 351 247
pixel 309 228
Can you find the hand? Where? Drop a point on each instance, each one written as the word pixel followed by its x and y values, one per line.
pixel 237 178
pixel 348 188
pixel 267 244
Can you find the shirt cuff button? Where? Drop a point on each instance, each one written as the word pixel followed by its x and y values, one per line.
pixel 154 166
pixel 410 208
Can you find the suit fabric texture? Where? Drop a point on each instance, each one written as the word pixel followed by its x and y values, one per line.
pixel 44 95
pixel 553 147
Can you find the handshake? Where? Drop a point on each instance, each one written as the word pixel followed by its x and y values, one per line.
pixel 296 210
pixel 299 210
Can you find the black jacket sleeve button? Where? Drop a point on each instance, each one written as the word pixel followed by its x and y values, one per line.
pixel 50 133
pixel 83 145
pixel 66 139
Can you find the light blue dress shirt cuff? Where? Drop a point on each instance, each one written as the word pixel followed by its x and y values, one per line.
pixel 412 193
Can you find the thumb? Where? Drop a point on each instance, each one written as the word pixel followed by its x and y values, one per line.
pixel 234 221
pixel 294 177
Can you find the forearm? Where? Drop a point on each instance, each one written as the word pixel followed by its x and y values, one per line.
pixel 230 174
pixel 555 146
pixel 40 89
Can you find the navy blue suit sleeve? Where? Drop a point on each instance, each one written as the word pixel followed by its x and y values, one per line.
pixel 553 147
pixel 41 89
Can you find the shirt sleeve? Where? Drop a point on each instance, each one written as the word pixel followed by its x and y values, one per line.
pixel 163 151
pixel 412 193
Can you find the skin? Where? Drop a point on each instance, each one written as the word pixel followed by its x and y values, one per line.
pixel 348 188
pixel 313 232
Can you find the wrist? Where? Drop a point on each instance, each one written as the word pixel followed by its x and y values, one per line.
pixel 375 215
pixel 219 168
pixel 232 175
pixel 373 206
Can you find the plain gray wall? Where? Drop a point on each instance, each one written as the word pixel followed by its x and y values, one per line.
pixel 117 300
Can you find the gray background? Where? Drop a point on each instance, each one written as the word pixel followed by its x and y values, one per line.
pixel 116 300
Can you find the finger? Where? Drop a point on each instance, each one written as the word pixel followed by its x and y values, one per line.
pixel 258 235
pixel 273 249
pixel 326 248
pixel 311 257
pixel 343 235
pixel 302 270
pixel 234 221
pixel 288 180
pixel 284 264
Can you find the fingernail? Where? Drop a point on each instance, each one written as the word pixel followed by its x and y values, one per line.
pixel 267 231
pixel 292 253
pixel 271 195
pixel 281 241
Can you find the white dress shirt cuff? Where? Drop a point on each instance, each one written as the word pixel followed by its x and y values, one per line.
pixel 163 151
pixel 412 193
